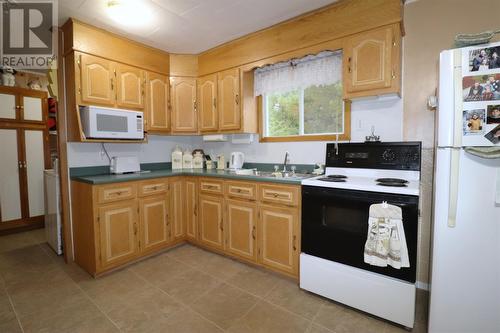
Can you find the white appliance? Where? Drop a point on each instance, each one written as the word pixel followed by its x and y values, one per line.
pixel 124 164
pixel 335 210
pixel 465 273
pixel 105 123
pixel 236 160
pixel 52 211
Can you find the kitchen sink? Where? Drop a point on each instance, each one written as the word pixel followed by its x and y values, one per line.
pixel 270 174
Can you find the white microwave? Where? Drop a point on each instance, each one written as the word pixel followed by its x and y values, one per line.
pixel 105 123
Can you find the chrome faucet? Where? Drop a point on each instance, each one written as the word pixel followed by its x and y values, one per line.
pixel 287 155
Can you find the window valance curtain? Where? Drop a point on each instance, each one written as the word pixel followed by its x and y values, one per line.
pixel 321 69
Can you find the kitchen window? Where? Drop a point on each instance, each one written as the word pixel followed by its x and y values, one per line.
pixel 302 99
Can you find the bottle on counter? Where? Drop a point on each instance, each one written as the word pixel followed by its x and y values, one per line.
pixel 177 158
pixel 187 160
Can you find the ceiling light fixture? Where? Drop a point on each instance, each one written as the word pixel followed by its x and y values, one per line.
pixel 133 13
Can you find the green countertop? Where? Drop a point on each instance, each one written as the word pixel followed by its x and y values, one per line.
pixel 109 178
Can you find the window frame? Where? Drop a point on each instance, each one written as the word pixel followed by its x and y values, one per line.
pixel 346 136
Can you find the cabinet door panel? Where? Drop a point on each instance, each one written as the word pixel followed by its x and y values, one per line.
pixel 177 208
pixel 8 109
pixel 118 232
pixel 241 221
pixel 183 99
pixel 32 108
pixel 207 103
pixel 158 100
pixel 10 191
pixel 130 87
pixel 211 223
pixel 278 238
pixel 369 60
pixel 229 100
pixel 97 80
pixel 35 164
pixel 154 222
pixel 191 208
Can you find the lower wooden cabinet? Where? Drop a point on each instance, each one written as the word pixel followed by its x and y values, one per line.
pixel 118 232
pixel 154 222
pixel 241 233
pixel 177 205
pixel 191 204
pixel 210 221
pixel 278 238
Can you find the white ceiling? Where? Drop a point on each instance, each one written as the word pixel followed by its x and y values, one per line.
pixel 191 26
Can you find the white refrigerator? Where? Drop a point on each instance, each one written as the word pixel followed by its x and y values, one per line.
pixel 465 272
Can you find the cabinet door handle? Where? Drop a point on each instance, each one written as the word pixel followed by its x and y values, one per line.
pixel 237 99
pixel 215 103
pixel 393 74
pixel 195 210
pixel 294 243
pixel 112 84
pixel 253 232
pixel 221 226
pixel 194 106
pixel 135 229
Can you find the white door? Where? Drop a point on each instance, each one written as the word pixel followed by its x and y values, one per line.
pixel 10 192
pixel 465 283
pixel 32 107
pixel 8 107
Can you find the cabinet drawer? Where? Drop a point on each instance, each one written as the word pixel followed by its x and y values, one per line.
pixel 241 190
pixel 286 195
pixel 151 187
pixel 116 192
pixel 211 186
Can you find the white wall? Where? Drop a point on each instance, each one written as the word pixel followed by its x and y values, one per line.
pixel 157 149
pixel 385 114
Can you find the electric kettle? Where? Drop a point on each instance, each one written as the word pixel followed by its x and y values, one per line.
pixel 236 160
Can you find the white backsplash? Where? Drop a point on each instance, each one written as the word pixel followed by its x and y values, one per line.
pixel 385 114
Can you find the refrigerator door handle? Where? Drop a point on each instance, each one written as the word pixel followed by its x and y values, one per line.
pixel 454 179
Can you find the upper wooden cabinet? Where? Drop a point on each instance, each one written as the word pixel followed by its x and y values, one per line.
pixel 229 100
pixel 372 63
pixel 97 80
pixel 130 87
pixel 157 104
pixel 183 99
pixel 207 104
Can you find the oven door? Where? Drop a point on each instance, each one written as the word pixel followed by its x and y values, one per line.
pixel 335 226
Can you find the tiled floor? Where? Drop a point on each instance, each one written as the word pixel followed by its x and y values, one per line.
pixel 183 290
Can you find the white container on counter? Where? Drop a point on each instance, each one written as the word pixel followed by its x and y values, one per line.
pixel 198 160
pixel 187 160
pixel 177 158
pixel 221 162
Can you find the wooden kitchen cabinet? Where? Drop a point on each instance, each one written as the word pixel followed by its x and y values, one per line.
pixel 372 62
pixel 241 224
pixel 229 100
pixel 191 204
pixel 207 104
pixel 154 222
pixel 130 87
pixel 279 239
pixel 157 104
pixel 211 221
pixel 183 102
pixel 97 81
pixel 177 208
pixel 118 233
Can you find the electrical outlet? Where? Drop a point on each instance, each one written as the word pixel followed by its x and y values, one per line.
pixel 359 125
pixel 103 154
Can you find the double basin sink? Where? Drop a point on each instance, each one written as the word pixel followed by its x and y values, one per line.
pixel 271 174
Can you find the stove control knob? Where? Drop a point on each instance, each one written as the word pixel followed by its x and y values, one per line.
pixel 388 155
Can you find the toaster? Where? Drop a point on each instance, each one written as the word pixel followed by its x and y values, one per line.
pixel 124 164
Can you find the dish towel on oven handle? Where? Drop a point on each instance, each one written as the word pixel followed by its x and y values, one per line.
pixel 386 241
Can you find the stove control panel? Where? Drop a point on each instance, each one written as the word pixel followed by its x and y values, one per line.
pixel 379 155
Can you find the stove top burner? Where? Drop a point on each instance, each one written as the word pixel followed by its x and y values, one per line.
pixel 332 179
pixel 337 176
pixel 392 180
pixel 392 184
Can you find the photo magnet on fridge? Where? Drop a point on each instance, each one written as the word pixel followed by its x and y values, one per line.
pixel 493 114
pixel 481 87
pixel 484 59
pixel 473 121
pixel 494 135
